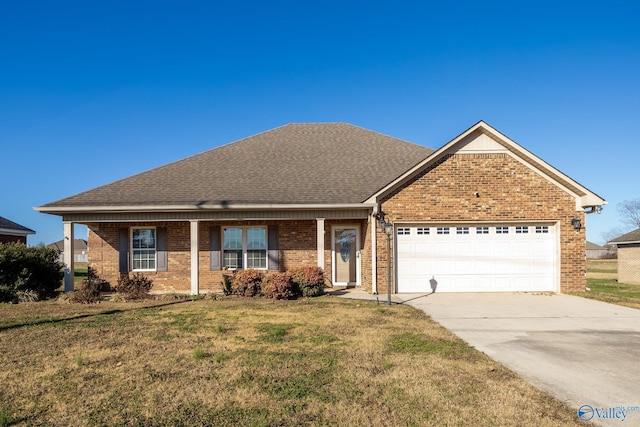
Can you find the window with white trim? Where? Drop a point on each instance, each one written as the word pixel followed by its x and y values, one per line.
pixel 482 230
pixel 542 229
pixel 244 246
pixel 143 249
pixel 442 230
pixel 462 230
pixel 502 230
pixel 423 230
pixel 522 229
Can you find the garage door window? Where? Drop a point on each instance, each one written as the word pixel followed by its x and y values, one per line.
pixel 423 230
pixel 482 230
pixel 404 231
pixel 502 230
pixel 442 230
pixel 462 230
pixel 522 229
pixel 542 229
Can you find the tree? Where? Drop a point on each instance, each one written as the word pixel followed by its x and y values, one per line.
pixel 629 211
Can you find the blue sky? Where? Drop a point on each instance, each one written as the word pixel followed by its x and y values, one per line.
pixel 91 92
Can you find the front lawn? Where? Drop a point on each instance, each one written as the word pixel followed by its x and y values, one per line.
pixel 232 362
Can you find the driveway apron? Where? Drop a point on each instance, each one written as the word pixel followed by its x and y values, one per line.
pixel 583 352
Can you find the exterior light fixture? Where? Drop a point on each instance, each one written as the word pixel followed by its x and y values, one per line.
pixel 576 223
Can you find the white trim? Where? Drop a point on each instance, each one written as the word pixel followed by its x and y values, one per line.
pixel 68 243
pixel 155 249
pixel 199 208
pixel 518 152
pixel 14 232
pixel 374 254
pixel 244 248
pixel 356 227
pixel 195 270
pixel 320 241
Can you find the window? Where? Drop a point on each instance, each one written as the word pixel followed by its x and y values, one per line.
pixel 404 231
pixel 423 230
pixel 522 229
pixel 542 229
pixel 143 249
pixel 244 246
pixel 502 230
pixel 442 230
pixel 482 230
pixel 462 230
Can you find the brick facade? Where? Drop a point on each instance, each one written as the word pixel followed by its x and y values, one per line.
pixel 508 191
pixel 629 264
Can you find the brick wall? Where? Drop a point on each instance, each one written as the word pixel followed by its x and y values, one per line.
pixel 297 241
pixel 6 238
pixel 509 191
pixel 629 264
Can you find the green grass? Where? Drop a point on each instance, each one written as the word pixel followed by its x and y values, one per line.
pixel 315 362
pixel 609 290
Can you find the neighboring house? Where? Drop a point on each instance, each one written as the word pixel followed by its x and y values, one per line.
pixel 628 257
pixel 481 213
pixel 595 251
pixel 79 249
pixel 11 232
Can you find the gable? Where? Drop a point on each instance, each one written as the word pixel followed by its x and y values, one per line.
pixel 483 139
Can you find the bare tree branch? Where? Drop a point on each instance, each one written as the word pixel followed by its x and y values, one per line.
pixel 629 210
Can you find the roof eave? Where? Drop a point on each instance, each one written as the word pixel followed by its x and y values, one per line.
pixel 61 210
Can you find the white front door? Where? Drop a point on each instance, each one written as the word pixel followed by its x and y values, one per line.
pixel 345 255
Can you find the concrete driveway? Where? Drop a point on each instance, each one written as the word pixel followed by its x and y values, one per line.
pixel 584 352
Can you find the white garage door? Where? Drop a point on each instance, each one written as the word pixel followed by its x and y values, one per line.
pixel 483 258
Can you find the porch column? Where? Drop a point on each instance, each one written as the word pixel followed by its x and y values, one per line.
pixel 68 248
pixel 374 255
pixel 320 241
pixel 195 285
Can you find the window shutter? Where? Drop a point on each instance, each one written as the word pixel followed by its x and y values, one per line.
pixel 273 252
pixel 215 252
pixel 123 250
pixel 161 249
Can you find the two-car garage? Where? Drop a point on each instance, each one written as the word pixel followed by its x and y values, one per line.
pixel 476 257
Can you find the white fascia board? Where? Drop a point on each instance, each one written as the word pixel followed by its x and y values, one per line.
pixel 13 232
pixel 586 199
pixel 178 208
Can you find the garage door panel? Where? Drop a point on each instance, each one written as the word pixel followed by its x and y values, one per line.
pixel 475 262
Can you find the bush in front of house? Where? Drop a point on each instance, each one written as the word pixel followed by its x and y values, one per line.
pixel 247 283
pixel 134 287
pixel 33 271
pixel 90 291
pixel 308 280
pixel 278 285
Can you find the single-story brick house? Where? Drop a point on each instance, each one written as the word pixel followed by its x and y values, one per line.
pixel 11 232
pixel 481 213
pixel 628 257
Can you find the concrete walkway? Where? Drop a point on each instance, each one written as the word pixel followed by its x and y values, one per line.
pixel 583 352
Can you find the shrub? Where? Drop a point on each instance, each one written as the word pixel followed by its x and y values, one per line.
pixel 227 280
pixel 134 287
pixel 247 283
pixel 308 280
pixel 8 294
pixel 278 285
pixel 35 269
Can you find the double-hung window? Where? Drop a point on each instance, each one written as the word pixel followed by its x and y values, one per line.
pixel 244 247
pixel 143 249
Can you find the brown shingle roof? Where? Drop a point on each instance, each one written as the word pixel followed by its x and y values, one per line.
pixel 324 163
pixel 633 236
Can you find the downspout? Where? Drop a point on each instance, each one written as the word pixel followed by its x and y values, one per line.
pixel 374 251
